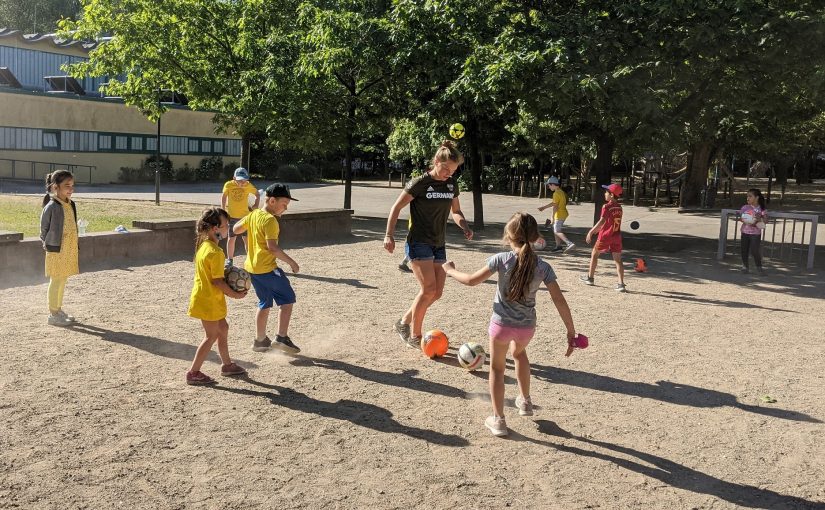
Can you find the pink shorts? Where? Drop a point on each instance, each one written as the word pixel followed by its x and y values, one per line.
pixel 506 334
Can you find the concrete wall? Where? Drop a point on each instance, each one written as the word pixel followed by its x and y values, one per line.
pixel 155 241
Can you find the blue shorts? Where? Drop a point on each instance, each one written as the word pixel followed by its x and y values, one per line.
pixel 272 286
pixel 423 251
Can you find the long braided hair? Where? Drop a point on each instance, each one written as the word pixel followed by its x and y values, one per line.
pixel 211 217
pixel 521 231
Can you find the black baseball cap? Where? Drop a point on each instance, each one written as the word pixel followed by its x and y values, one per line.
pixel 278 190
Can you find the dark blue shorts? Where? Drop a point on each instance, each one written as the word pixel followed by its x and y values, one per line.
pixel 232 222
pixel 422 251
pixel 272 286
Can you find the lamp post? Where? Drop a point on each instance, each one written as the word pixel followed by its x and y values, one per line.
pixel 157 156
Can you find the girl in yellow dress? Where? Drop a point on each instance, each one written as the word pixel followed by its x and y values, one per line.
pixel 208 301
pixel 58 231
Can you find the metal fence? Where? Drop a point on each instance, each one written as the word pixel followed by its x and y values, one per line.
pixel 789 237
pixel 37 170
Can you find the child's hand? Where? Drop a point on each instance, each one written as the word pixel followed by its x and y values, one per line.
pixel 541 208
pixel 468 234
pixel 448 266
pixel 571 344
pixel 589 238
pixel 238 295
pixel 389 244
pixel 294 266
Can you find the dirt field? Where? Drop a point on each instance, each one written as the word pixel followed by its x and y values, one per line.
pixel 664 410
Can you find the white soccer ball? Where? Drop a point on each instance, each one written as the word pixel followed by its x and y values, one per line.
pixel 540 244
pixel 748 218
pixel 237 278
pixel 471 356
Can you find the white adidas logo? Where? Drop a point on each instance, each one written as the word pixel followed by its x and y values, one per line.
pixel 430 189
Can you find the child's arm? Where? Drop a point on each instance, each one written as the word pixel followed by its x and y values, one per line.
pixel 224 198
pixel 257 200
pixel 543 207
pixel 564 313
pixel 401 202
pixel 240 227
pixel 465 278
pixel 593 230
pixel 272 246
pixel 459 219
pixel 226 289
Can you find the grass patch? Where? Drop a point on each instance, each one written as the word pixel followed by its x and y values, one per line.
pixel 21 213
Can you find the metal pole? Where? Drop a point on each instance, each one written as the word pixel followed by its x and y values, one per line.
pixel 157 157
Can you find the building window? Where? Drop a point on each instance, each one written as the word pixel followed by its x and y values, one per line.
pixel 137 143
pixel 122 143
pixel 152 144
pixel 206 146
pixel 51 140
pixel 104 142
pixel 233 147
pixel 218 147
pixel 193 146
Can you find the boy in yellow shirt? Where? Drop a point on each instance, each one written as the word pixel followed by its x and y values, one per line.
pixel 558 213
pixel 269 281
pixel 235 200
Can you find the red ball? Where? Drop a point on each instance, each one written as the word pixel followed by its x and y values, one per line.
pixel 434 343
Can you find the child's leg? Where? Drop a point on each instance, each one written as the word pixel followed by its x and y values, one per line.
pixel 522 369
pixel 55 294
pixel 223 342
pixel 261 318
pixel 284 315
pixel 211 328
pixel 617 258
pixel 594 259
pixel 561 237
pixel 230 247
pixel 756 248
pixel 498 359
pixel 746 245
pixel 426 273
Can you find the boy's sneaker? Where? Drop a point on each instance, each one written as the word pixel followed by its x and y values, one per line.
pixel 744 270
pixel 621 287
pixel 66 316
pixel 404 267
pixel 587 280
pixel 261 345
pixel 557 248
pixel 228 263
pixel 285 344
pixel 497 426
pixel 548 223
pixel 198 379
pixel 232 369
pixel 569 247
pixel 402 329
pixel 525 406
pixel 58 320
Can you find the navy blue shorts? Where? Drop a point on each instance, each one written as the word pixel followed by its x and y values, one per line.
pixel 272 286
pixel 232 222
pixel 423 251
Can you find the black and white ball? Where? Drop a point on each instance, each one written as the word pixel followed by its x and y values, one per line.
pixel 237 278
pixel 471 356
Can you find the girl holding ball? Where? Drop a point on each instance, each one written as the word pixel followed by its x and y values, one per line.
pixel 753 215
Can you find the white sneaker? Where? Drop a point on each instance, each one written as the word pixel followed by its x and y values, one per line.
pixel 66 316
pixel 569 247
pixel 497 426
pixel 525 406
pixel 58 320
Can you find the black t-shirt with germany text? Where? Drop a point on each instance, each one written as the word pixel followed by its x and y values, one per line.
pixel 430 208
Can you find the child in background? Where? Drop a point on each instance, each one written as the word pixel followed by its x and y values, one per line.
pixel 235 200
pixel 58 231
pixel 558 213
pixel 207 301
pixel 752 215
pixel 269 281
pixel 609 240
pixel 520 275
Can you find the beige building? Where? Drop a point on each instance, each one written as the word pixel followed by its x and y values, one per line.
pixel 48 121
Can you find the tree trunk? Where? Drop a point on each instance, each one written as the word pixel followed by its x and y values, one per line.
pixel 696 175
pixel 601 167
pixel 804 168
pixel 475 173
pixel 246 151
pixel 350 143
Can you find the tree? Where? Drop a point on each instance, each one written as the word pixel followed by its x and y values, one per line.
pixel 37 16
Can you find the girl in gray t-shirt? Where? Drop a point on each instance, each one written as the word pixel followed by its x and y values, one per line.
pixel 520 275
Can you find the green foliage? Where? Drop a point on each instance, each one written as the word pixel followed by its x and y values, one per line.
pixel 37 16
pixel 184 173
pixel 210 169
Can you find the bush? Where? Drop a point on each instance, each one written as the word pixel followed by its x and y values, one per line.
pixel 184 173
pixel 229 170
pixel 167 173
pixel 210 169
pixel 266 164
pixel 308 172
pixel 289 173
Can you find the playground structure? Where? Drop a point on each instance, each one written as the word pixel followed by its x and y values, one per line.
pixel 790 237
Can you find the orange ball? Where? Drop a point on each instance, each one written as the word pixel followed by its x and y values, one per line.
pixel 435 343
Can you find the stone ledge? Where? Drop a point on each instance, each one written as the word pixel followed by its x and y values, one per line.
pixel 10 237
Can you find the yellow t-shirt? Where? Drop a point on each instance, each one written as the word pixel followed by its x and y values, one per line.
pixel 207 301
pixel 260 226
pixel 237 198
pixel 560 198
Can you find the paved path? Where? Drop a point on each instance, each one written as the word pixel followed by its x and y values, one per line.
pixel 374 199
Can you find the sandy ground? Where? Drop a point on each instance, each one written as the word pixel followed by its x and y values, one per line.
pixel 664 410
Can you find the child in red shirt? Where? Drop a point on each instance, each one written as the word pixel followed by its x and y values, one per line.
pixel 609 240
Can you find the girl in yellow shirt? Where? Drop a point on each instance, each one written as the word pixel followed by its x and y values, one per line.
pixel 207 301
